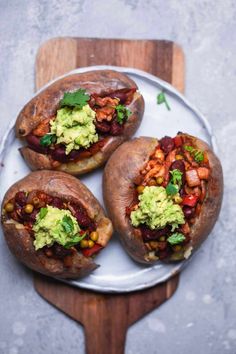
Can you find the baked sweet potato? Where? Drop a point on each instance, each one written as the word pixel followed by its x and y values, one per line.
pixel 118 108
pixel 79 234
pixel 163 196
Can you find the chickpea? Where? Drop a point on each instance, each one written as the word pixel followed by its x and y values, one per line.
pixel 140 189
pixel 152 182
pixel 178 199
pixel 90 243
pixel 94 236
pixel 84 244
pixel 177 248
pixel 28 208
pixel 154 245
pixel 159 180
pixel 9 207
pixel 179 157
pixel 36 201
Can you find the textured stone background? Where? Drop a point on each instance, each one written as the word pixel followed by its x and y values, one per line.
pixel 200 318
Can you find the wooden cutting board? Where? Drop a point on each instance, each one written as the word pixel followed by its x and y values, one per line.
pixel 105 317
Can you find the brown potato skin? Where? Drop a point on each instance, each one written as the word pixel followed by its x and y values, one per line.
pixel 64 186
pixel 46 103
pixel 123 169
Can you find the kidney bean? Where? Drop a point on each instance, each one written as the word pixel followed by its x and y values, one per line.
pixel 21 198
pixel 116 128
pixel 29 217
pixel 167 144
pixel 34 143
pixel 188 212
pixel 163 254
pixel 103 127
pixel 59 251
pixel 121 94
pixel 151 235
pixel 178 165
pixel 59 153
pixel 57 203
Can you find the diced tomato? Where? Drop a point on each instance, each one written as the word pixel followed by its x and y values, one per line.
pixel 178 141
pixel 190 200
pixel 89 252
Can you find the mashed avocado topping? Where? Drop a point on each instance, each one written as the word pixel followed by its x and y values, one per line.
pixel 55 225
pixel 74 127
pixel 156 209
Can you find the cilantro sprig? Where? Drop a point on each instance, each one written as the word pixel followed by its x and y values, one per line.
pixel 48 139
pixel 161 98
pixel 67 224
pixel 197 154
pixel 176 238
pixel 175 182
pixel 122 112
pixel 43 212
pixel 78 99
pixel 176 177
pixel 75 240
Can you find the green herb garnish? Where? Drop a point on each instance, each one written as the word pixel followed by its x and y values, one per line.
pixel 48 139
pixel 76 239
pixel 67 224
pixel 43 212
pixel 176 177
pixel 161 98
pixel 176 238
pixel 171 189
pixel 75 99
pixel 123 113
pixel 198 155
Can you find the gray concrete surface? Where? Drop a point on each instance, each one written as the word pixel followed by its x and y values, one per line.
pixel 201 316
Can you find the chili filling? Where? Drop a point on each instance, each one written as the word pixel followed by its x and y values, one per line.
pixel 29 208
pixel 180 171
pixel 111 114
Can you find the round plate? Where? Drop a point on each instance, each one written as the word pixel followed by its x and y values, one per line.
pixel 117 271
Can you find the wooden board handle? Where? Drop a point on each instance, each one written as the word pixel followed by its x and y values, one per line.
pixel 104 334
pixel 105 317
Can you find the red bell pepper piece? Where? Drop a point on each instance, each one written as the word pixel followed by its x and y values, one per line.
pixel 190 200
pixel 89 252
pixel 178 141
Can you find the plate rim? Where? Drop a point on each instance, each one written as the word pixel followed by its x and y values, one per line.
pixel 170 90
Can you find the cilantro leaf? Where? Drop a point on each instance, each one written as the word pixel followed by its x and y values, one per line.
pixel 171 189
pixel 176 177
pixel 67 224
pixel 48 139
pixel 176 238
pixel 43 212
pixel 161 98
pixel 76 239
pixel 123 113
pixel 198 155
pixel 75 99
pixel 188 148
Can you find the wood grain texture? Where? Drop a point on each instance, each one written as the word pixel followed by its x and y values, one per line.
pixel 105 317
pixel 161 58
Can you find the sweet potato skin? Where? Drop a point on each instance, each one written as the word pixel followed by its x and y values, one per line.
pixel 46 103
pixel 62 185
pixel 123 169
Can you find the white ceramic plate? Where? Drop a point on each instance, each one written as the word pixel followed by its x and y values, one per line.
pixel 118 273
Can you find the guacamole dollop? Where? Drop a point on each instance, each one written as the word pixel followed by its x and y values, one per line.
pixel 54 225
pixel 156 209
pixel 74 127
